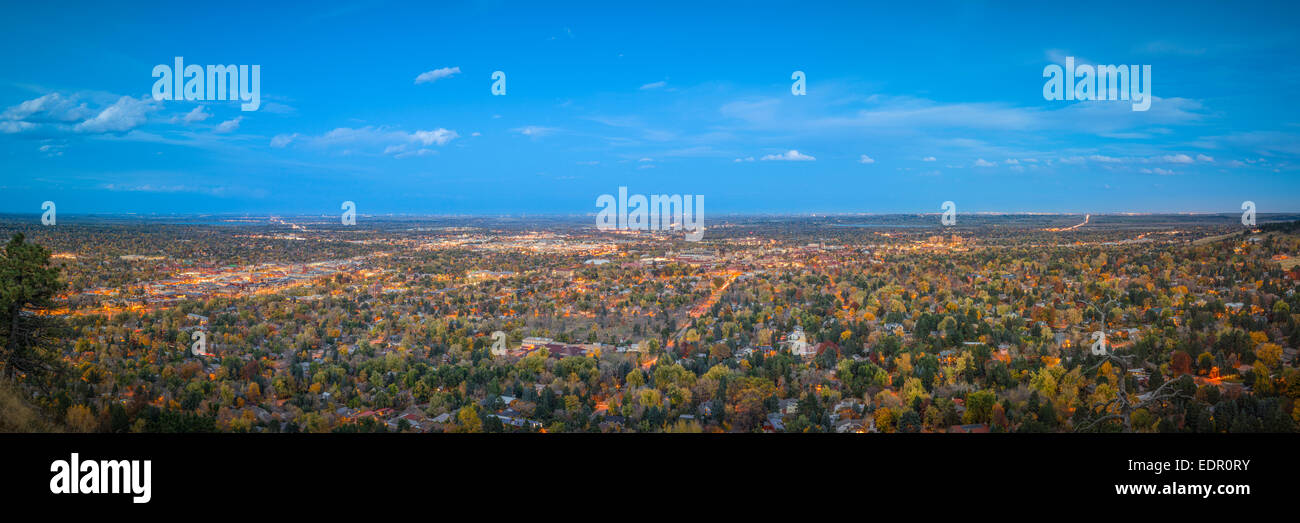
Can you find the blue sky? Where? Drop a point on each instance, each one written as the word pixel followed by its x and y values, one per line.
pixel 669 98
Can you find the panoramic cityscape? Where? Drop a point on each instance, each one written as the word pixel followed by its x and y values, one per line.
pixel 989 256
pixel 845 324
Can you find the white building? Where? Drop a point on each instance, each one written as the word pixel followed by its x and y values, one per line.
pixel 798 342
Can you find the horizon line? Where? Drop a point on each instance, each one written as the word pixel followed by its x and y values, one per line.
pixel 815 214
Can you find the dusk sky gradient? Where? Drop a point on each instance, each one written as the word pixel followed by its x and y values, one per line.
pixel 673 98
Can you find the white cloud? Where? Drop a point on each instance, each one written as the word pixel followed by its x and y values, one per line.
pixel 384 137
pixel 653 85
pixel 439 136
pixel 789 156
pixel 229 125
pixel 1204 158
pixel 124 115
pixel 646 160
pixel 928 159
pixel 866 159
pixel 15 127
pixel 983 163
pixel 199 114
pixel 745 159
pixel 1177 158
pixel 283 140
pixel 1157 170
pixel 436 74
pixel 52 107
pixel 392 140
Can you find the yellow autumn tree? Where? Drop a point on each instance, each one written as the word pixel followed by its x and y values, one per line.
pixel 1270 354
pixel 80 419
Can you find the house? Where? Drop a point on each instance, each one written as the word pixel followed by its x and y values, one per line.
pixel 517 421
pixel 773 423
pixel 798 343
pixel 973 428
pixel 612 423
pixel 412 419
pixel 534 342
pixel 849 408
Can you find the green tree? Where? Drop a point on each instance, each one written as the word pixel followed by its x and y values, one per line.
pixel 26 281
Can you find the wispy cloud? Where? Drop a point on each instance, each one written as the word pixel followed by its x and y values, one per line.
pixel 229 125
pixel 436 74
pixel 390 141
pixel 535 131
pixel 281 141
pixel 198 114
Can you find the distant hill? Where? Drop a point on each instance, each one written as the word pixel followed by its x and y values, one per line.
pixel 1291 227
